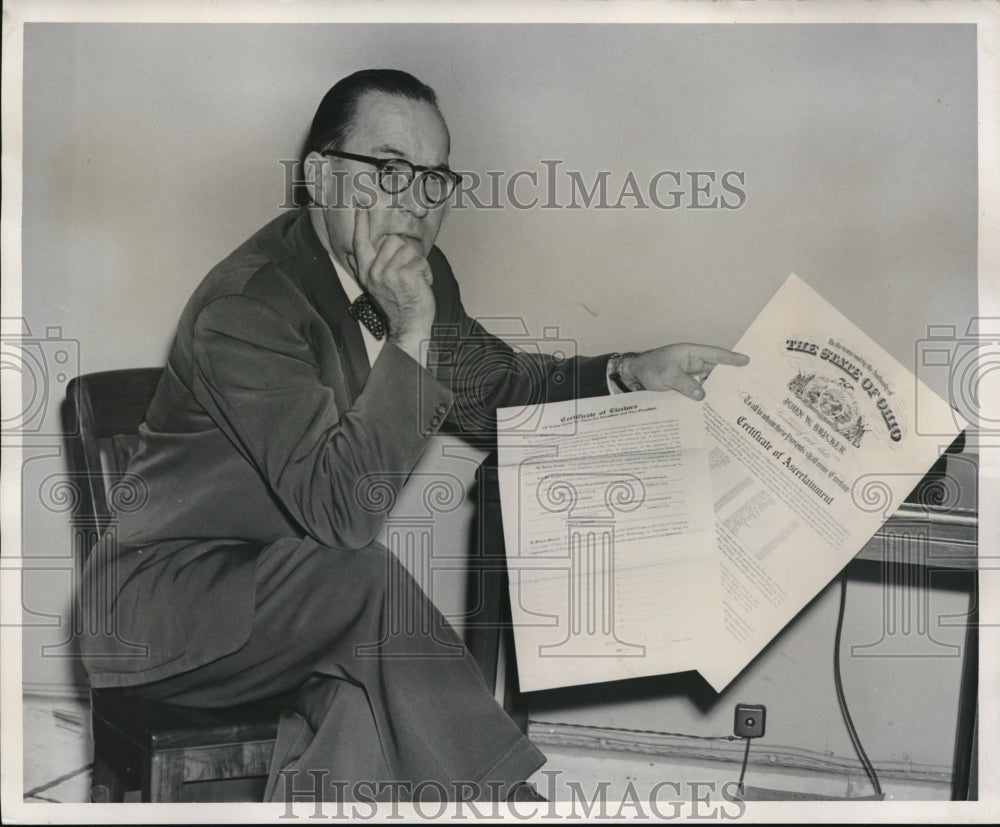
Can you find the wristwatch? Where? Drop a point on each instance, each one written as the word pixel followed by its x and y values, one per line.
pixel 614 373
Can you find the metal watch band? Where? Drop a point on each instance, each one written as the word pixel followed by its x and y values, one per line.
pixel 614 372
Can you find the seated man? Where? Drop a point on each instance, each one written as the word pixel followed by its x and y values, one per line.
pixel 296 375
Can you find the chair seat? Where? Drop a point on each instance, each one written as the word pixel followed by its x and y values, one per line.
pixel 161 748
pixel 156 726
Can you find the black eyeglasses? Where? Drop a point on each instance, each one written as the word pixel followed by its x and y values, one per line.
pixel 396 175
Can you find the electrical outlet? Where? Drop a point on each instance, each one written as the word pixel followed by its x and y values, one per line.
pixel 749 721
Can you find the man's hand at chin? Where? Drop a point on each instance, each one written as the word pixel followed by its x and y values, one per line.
pixel 399 278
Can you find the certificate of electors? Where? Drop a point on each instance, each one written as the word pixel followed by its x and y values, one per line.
pixel 620 568
pixel 607 512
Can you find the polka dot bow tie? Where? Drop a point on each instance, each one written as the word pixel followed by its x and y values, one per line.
pixel 364 310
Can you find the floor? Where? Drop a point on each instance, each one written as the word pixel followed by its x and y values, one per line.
pixel 57 749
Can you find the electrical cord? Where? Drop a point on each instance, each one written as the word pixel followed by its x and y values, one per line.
pixel 851 731
pixel 743 769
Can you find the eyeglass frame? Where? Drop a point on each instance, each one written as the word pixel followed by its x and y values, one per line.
pixel 448 175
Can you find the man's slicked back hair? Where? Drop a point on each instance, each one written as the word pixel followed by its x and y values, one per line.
pixel 336 112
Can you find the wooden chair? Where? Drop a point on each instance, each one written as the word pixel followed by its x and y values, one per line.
pixel 160 750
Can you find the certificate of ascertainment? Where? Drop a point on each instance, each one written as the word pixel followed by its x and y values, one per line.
pixel 813 446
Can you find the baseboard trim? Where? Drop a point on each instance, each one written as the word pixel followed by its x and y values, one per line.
pixel 697 748
pixel 54 690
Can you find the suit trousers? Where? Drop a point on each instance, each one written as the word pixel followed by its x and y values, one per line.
pixel 381 699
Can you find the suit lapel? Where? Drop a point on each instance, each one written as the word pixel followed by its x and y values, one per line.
pixel 323 288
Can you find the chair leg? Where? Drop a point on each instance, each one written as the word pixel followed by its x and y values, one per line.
pixel 107 785
pixel 163 777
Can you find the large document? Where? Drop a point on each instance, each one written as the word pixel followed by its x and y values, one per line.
pixel 649 534
pixel 607 518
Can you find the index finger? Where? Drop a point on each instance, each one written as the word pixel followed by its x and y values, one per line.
pixel 364 250
pixel 720 356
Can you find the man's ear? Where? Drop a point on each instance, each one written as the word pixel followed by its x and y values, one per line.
pixel 313 174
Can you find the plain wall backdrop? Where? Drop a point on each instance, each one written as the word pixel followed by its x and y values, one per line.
pixel 151 151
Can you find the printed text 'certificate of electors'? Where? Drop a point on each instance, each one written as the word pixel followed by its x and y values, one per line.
pixel 649 534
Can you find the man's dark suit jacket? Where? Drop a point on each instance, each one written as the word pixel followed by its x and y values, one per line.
pixel 265 421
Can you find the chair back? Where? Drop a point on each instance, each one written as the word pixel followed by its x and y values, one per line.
pixel 102 416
